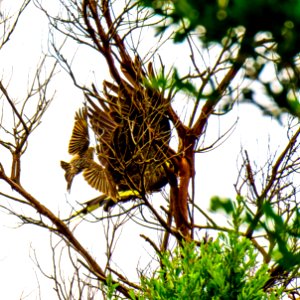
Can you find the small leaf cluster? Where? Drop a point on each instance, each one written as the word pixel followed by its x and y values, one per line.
pixel 280 233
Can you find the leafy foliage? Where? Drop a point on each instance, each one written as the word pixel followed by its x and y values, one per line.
pixel 272 37
pixel 218 17
pixel 226 268
pixel 280 233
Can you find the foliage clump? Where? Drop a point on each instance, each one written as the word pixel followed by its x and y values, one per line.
pixel 226 268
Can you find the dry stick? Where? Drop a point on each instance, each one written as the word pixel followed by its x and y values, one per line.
pixel 263 195
pixel 13 27
pixel 147 239
pixel 105 48
pixel 166 237
pixel 4 91
pixel 63 230
pixel 250 175
pixel 161 220
pixel 124 279
pixel 210 104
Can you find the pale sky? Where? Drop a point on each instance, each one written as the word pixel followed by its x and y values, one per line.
pixel 44 179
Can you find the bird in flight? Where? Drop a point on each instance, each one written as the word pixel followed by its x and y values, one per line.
pixel 132 134
pixel 83 161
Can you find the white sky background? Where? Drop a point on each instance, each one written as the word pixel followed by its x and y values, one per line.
pixel 44 179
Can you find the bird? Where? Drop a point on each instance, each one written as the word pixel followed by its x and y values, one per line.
pixel 132 157
pixel 83 161
pixel 132 134
pixel 78 147
pixel 77 164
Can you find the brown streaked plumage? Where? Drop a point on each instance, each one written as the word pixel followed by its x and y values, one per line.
pixel 78 147
pixel 79 142
pixel 82 160
pixel 98 178
pixel 132 137
pixel 77 164
pixel 132 131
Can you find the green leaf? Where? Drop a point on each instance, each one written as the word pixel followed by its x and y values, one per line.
pixel 221 204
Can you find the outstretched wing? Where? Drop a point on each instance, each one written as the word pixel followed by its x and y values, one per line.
pixel 102 122
pixel 79 141
pixel 100 179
